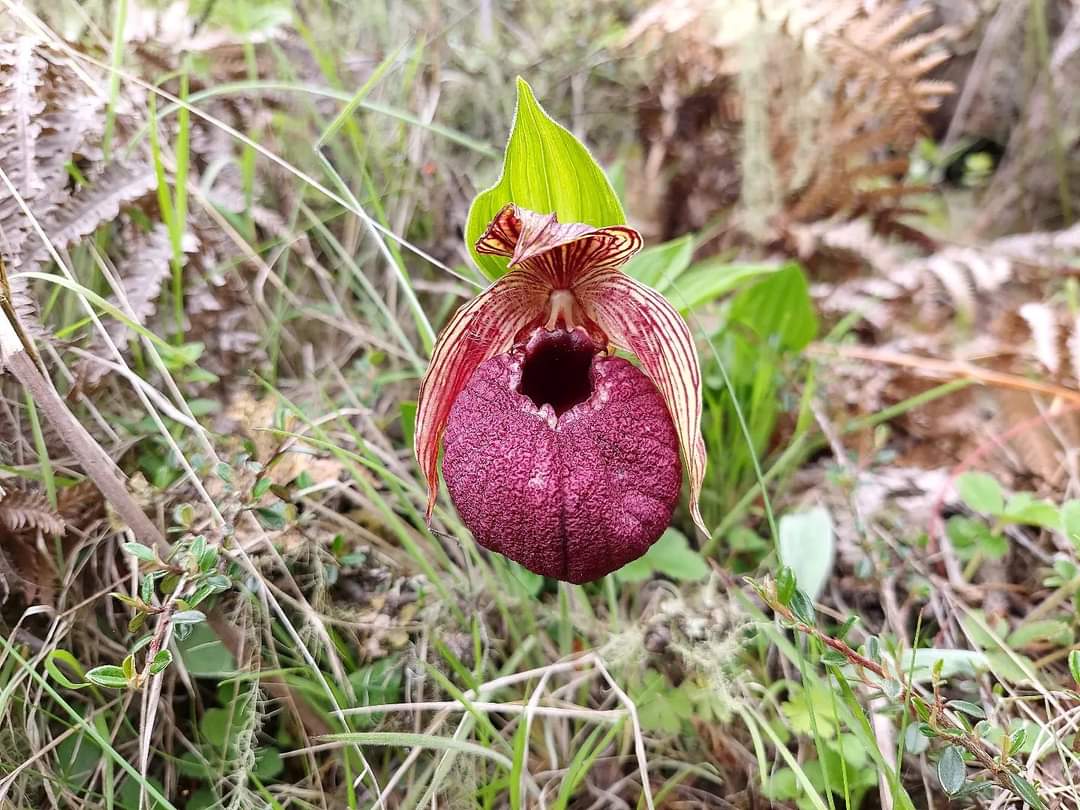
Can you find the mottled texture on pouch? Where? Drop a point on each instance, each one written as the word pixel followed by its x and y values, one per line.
pixel 575 495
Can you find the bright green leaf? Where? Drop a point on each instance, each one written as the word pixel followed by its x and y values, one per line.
pixel 545 169
pixel 709 279
pixel 981 492
pixel 778 308
pixel 109 676
pixel 1070 521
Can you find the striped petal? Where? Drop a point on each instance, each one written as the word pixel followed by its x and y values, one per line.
pixel 639 320
pixel 556 250
pixel 480 329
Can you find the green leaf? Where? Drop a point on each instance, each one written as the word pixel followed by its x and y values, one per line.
pixel 188 617
pixel 785 585
pixel 981 492
pixel 545 169
pixel 160 662
pixel 408 421
pixel 1026 791
pixel 671 556
pixel 530 582
pixel 1017 739
pixel 57 674
pixel 204 655
pixel 139 551
pixel 807 546
pixel 968 708
pixel 1074 665
pixel 778 308
pixel 109 676
pixel 709 279
pixel 803 607
pixel 262 486
pixel 660 265
pixel 268 763
pixel 1070 522
pixel 1023 508
pixel 951 770
pixel 1050 631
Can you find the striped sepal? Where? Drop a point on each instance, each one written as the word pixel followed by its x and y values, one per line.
pixel 641 321
pixel 480 329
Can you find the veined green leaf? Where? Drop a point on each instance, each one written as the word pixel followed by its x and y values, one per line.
pixel 545 169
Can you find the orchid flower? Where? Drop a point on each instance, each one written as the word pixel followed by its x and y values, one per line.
pixel 558 454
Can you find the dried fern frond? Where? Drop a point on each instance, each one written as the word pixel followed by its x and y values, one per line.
pixel 141 270
pixel 23 509
pixel 831 95
pixel 48 116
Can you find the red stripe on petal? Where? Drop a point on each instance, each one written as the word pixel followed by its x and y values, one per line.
pixel 480 329
pixel 558 251
pixel 641 321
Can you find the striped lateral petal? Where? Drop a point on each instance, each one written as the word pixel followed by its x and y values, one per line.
pixel 481 328
pixel 639 320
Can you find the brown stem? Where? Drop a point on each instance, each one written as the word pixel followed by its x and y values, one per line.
pixel 95 461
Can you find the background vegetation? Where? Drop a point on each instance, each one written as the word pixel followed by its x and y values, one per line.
pixel 231 230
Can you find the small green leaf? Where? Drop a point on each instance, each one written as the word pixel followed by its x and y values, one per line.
pixel 136 622
pixel 968 708
pixel 218 582
pixel 262 486
pixel 169 583
pixel 139 551
pixel 109 676
pixel 160 662
pixel 128 666
pixel 951 770
pixel 981 492
pixel 785 585
pixel 873 649
pixel 1070 522
pixel 208 559
pixel 672 556
pixel 1074 665
pixel 269 518
pixel 1026 791
pixel 146 588
pixel 1017 739
pixel 1023 508
pixel 808 547
pixel 803 607
pixel 547 170
pixel 188 617
pixel 1043 631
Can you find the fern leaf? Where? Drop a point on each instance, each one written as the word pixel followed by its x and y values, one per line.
pixel 22 510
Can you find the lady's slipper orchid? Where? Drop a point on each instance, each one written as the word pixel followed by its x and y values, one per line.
pixel 558 455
